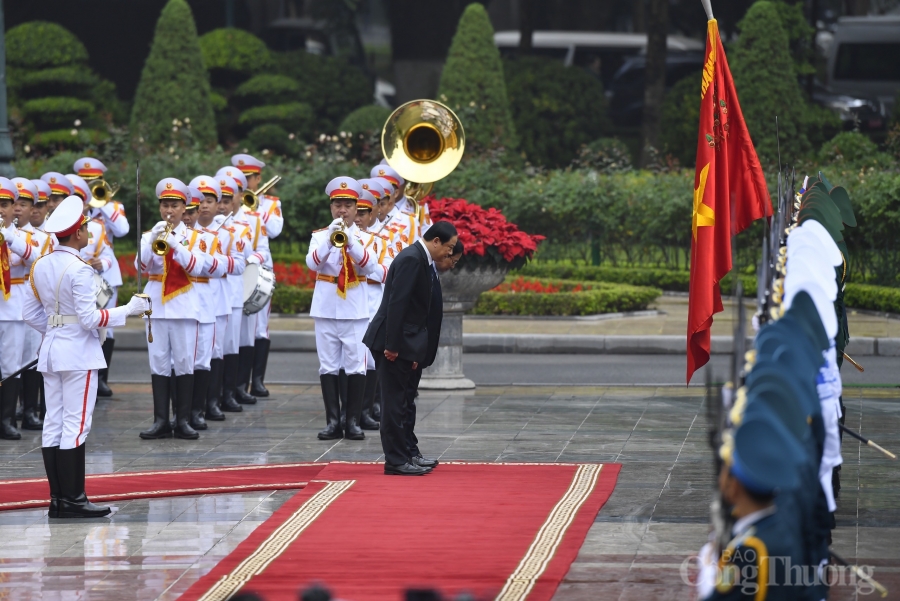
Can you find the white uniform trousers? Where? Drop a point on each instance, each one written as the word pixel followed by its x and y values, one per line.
pixel 248 329
pixel 113 302
pixel 262 320
pixel 219 336
pixel 233 331
pixel 370 360
pixel 339 345
pixel 206 337
pixel 70 398
pixel 174 345
pixel 12 335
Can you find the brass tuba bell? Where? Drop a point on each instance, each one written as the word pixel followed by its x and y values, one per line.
pixel 423 141
pixel 102 192
pixel 250 199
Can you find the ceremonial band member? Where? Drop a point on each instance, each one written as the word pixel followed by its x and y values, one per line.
pixel 269 212
pixel 176 308
pixel 398 335
pixel 408 218
pixel 60 304
pixel 340 308
pixel 41 208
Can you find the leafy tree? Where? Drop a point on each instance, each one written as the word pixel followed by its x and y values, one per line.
pixel 473 85
pixel 366 120
pixel 555 109
pixel 680 116
pixel 174 83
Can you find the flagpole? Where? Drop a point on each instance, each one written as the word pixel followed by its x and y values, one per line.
pixel 707 6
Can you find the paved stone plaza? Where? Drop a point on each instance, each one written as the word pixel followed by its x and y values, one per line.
pixel 656 517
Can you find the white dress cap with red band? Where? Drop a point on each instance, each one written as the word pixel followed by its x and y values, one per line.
pixel 170 188
pixel 385 184
pixel 43 188
pixel 89 168
pixel 196 197
pixel 59 183
pixel 208 184
pixel 373 187
pixel 249 165
pixel 228 186
pixel 8 190
pixel 26 189
pixel 343 187
pixel 80 186
pixel 235 174
pixel 387 173
pixel 68 217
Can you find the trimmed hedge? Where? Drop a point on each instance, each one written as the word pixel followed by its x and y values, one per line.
pixel 273 138
pixel 41 44
pixel 57 111
pixel 601 297
pixel 872 298
pixel 267 89
pixel 297 117
pixel 366 120
pixel 287 299
pixel 235 50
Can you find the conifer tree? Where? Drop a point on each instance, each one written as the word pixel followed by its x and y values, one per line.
pixel 174 83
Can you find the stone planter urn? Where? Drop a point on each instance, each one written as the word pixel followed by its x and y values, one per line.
pixel 460 289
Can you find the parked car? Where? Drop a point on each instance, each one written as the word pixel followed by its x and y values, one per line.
pixel 865 114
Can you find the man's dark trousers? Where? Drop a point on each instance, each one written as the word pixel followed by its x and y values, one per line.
pixel 412 443
pixel 395 379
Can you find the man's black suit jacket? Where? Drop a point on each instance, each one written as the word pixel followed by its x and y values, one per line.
pixel 435 317
pixel 400 325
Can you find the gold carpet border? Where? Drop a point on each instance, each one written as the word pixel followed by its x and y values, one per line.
pixel 189 470
pixel 520 583
pixel 213 490
pixel 277 542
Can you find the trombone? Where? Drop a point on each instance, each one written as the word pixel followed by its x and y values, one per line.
pixel 339 237
pixel 102 192
pixel 160 246
pixel 250 199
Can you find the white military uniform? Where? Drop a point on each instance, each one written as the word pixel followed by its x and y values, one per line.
pixel 21 254
pixel 41 243
pixel 206 286
pixel 260 254
pixel 175 321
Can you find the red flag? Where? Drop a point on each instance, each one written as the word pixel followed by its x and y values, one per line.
pixel 5 277
pixel 729 193
pixel 175 280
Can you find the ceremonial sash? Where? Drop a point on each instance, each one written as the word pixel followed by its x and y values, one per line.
pixel 175 280
pixel 5 276
pixel 347 277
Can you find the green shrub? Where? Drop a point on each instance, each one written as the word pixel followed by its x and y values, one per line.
pixel 41 44
pixel 611 298
pixel 174 83
pixel 273 138
pixel 291 300
pixel 555 109
pixel 606 155
pixel 70 80
pixel 217 101
pixel 680 116
pixel 365 120
pixel 267 89
pixel 62 139
pixel 235 52
pixel 472 83
pixel 854 149
pixel 56 111
pixel 872 298
pixel 296 117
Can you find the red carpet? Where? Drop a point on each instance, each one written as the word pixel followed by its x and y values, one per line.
pixel 35 492
pixel 502 531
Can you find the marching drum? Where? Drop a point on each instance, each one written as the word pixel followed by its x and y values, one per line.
pixel 259 286
pixel 103 292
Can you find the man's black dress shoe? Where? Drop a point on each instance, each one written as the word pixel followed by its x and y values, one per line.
pixel 407 469
pixel 422 462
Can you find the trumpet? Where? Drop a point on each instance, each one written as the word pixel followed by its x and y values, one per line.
pixel 250 199
pixel 160 246
pixel 339 237
pixel 102 192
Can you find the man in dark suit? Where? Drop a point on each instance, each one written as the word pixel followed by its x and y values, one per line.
pixel 435 317
pixel 398 337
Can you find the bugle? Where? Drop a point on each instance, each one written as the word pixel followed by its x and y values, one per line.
pixel 339 237
pixel 160 245
pixel 250 199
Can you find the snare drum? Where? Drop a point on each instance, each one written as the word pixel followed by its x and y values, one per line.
pixel 259 286
pixel 103 292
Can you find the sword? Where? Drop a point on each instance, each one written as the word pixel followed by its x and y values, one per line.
pixel 852 362
pixel 866 441
pixel 26 368
pixel 140 294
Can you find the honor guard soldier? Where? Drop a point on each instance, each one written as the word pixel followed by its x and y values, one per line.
pixel 239 249
pixel 109 214
pixel 340 307
pixel 41 208
pixel 407 216
pixel 60 188
pixel 273 222
pixel 59 303
pixel 259 255
pixel 40 245
pixel 176 305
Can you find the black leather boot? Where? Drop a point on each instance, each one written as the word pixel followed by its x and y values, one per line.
pixel 31 392
pixel 366 421
pixel 49 454
pixel 9 398
pixel 184 395
pixel 213 390
pixel 173 401
pixel 356 389
pixel 73 503
pixel 260 360
pixel 102 377
pixel 229 383
pixel 161 427
pixel 332 408
pixel 198 403
pixel 245 366
pixel 342 394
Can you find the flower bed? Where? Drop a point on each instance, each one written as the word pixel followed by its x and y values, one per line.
pixel 529 296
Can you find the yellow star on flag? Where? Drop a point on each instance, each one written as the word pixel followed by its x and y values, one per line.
pixel 703 214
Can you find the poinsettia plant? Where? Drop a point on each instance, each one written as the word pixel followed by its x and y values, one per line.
pixel 489 239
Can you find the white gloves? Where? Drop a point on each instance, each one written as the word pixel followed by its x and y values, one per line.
pixel 9 231
pixel 137 306
pixel 253 260
pixel 336 225
pixel 160 226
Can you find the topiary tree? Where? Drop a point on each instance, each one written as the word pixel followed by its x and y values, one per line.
pixel 555 109
pixel 680 118
pixel 174 84
pixel 473 84
pixel 766 81
pixel 56 100
pixel 365 120
pixel 232 55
